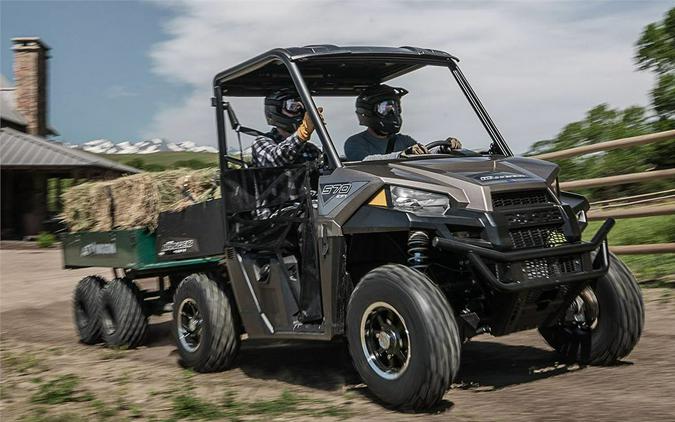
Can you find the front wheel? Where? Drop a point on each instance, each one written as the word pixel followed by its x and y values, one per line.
pixel 403 337
pixel 205 324
pixel 604 323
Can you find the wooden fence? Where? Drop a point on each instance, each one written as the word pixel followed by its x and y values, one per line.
pixel 629 206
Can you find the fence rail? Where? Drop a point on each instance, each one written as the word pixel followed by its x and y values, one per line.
pixel 633 212
pixel 654 248
pixel 608 145
pixel 629 206
pixel 622 179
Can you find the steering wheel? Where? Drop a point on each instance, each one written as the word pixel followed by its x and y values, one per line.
pixel 438 144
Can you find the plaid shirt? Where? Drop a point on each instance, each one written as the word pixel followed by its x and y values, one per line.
pixel 272 150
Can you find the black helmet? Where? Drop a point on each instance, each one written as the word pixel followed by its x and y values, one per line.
pixel 379 108
pixel 275 104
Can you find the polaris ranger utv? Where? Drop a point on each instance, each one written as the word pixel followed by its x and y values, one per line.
pixel 407 258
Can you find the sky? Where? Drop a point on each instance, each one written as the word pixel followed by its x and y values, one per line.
pixel 135 70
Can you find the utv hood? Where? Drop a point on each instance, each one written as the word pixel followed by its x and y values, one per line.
pixel 468 180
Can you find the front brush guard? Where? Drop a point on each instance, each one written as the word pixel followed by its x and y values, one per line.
pixel 476 255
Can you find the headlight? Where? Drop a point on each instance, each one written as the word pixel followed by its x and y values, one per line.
pixel 581 216
pixel 419 201
pixel 555 187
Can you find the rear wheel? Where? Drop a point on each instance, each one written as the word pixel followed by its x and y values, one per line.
pixel 87 307
pixel 207 333
pixel 123 318
pixel 604 323
pixel 403 337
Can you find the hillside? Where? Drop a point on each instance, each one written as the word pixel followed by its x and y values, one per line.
pixel 159 161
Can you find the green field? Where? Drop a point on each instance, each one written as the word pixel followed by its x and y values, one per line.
pixel 165 160
pixel 635 231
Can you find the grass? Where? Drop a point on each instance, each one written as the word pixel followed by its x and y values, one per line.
pixel 188 406
pixel 48 417
pixel 61 389
pixel 23 363
pixel 113 353
pixel 166 159
pixel 635 231
pixel 102 410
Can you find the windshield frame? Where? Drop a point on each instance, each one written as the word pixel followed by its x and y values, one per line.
pixel 300 84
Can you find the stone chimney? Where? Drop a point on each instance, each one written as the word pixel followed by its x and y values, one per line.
pixel 30 78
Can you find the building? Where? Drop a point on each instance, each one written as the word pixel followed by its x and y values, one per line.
pixel 34 170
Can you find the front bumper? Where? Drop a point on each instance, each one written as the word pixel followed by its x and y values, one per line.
pixel 481 257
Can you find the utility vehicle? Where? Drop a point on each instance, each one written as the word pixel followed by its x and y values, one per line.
pixel 407 258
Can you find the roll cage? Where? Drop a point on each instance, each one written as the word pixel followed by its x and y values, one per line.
pixel 328 70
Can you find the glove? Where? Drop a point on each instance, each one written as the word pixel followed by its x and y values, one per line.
pixel 417 149
pixel 306 128
pixel 454 143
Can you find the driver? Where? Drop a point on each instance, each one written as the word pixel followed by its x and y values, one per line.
pixel 286 143
pixel 379 109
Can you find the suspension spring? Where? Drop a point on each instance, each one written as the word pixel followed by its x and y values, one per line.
pixel 418 250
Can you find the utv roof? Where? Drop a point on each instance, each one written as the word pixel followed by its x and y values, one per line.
pixel 326 69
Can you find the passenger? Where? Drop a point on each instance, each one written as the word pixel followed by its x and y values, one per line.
pixel 379 109
pixel 286 143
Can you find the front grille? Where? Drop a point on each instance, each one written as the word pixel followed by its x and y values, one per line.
pixel 551 267
pixel 520 198
pixel 538 217
pixel 537 237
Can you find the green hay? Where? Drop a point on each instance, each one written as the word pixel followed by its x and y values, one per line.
pixel 137 200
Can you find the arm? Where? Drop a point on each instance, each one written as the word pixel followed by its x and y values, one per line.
pixel 267 153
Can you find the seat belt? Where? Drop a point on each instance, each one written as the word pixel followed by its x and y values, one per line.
pixel 390 144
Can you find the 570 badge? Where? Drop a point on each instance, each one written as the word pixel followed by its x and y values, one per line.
pixel 338 190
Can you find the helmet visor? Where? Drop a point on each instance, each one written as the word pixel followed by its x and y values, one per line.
pixel 383 108
pixel 293 106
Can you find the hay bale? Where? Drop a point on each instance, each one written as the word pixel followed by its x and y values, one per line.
pixel 135 201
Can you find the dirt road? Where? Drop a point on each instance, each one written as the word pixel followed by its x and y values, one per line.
pixel 47 375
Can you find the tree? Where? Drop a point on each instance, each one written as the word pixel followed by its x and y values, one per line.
pixel 655 51
pixel 656 46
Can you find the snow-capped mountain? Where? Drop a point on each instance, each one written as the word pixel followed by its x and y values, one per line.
pixel 104 146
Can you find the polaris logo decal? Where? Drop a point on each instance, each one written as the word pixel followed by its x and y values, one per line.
pixel 178 246
pixel 499 177
pixel 98 249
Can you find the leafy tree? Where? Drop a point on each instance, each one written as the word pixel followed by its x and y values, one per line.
pixel 655 51
pixel 656 46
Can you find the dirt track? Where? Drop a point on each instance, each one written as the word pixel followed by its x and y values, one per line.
pixel 511 378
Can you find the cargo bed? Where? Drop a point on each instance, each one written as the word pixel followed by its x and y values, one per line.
pixel 187 238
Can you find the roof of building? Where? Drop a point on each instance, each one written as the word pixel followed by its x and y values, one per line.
pixel 8 109
pixel 22 150
pixel 7 103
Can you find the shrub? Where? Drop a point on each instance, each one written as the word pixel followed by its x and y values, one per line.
pixel 45 240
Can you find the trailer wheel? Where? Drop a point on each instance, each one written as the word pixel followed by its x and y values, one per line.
pixel 403 337
pixel 605 321
pixel 123 318
pixel 206 328
pixel 87 307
